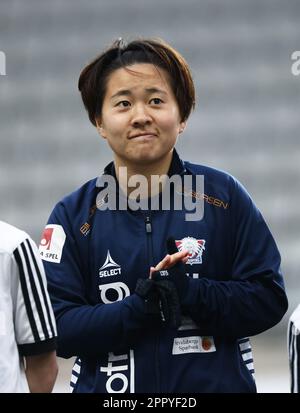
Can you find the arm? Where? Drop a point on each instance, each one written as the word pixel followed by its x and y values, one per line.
pixel 34 322
pixel 235 308
pixel 251 298
pixel 85 329
pixel 41 372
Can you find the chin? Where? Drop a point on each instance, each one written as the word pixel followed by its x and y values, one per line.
pixel 144 156
pixel 145 159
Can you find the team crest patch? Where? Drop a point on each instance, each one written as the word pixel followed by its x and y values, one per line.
pixel 52 243
pixel 194 246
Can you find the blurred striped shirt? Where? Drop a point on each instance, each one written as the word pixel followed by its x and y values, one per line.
pixel 27 324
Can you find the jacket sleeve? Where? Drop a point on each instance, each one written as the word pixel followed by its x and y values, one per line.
pixel 251 299
pixel 84 330
pixel 34 322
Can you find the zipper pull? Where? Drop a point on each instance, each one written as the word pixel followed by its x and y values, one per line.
pixel 148 225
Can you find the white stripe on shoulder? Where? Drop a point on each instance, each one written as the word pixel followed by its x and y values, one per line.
pixel 41 284
pixel 31 302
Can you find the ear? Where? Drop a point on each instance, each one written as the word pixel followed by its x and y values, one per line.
pixel 182 126
pixel 100 129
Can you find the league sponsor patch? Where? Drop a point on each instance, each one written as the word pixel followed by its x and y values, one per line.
pixel 52 243
pixel 193 344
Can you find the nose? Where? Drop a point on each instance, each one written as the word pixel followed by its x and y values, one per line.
pixel 140 116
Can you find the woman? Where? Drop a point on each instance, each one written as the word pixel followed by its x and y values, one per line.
pixel 140 315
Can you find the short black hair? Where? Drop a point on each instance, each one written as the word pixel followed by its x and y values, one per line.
pixel 93 78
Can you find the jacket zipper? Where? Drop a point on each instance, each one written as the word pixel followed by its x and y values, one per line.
pixel 148 226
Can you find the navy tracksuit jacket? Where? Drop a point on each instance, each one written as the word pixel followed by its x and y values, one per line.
pixel 93 259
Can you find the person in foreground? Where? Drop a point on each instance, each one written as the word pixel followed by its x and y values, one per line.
pixel 147 297
pixel 27 323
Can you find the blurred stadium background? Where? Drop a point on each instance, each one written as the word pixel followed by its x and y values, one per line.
pixel 246 122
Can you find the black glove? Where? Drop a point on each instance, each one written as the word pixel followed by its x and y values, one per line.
pixel 169 301
pixel 161 299
pixel 146 289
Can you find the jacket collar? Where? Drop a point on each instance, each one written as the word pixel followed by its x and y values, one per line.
pixel 176 168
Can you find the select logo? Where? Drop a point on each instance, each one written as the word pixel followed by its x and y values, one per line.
pixel 109 268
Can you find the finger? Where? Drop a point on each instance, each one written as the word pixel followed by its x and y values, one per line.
pixel 171 260
pixel 178 256
pixel 163 264
pixel 152 270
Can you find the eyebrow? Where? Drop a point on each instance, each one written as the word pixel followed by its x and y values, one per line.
pixel 127 92
pixel 155 90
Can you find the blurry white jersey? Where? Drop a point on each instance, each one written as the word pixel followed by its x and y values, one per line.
pixel 27 324
pixel 294 349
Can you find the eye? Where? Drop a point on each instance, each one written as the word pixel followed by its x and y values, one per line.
pixel 156 101
pixel 123 104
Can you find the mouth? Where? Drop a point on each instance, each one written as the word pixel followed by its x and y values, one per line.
pixel 144 135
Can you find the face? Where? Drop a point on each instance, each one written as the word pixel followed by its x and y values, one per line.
pixel 140 116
